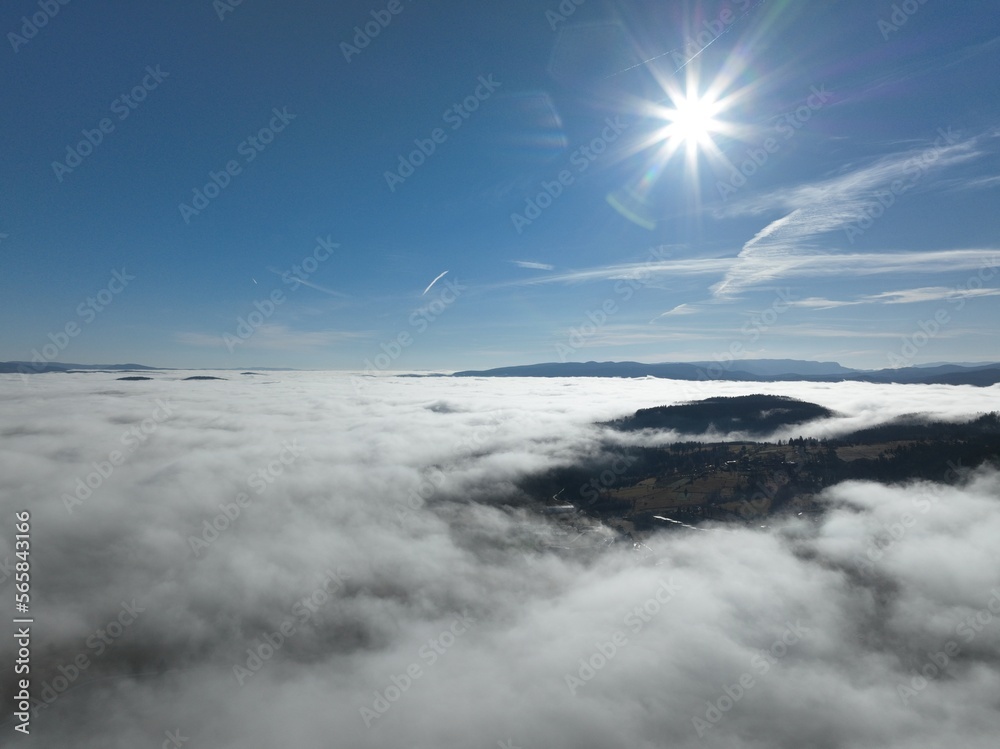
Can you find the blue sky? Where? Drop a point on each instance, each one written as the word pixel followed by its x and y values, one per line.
pixel 820 181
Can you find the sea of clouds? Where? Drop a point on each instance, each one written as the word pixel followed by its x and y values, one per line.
pixel 320 560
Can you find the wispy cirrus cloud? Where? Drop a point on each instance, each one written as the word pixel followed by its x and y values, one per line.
pixel 903 296
pixel 630 271
pixel 804 266
pixel 634 335
pixel 788 244
pixel 819 303
pixel 296 280
pixel 532 265
pixel 976 183
pixel 855 331
pixel 928 294
pixel 681 309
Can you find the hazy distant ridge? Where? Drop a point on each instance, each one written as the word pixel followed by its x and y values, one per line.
pixel 755 370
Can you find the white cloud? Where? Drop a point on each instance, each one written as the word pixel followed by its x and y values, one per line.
pixel 902 296
pixel 680 267
pixel 783 267
pixel 474 547
pixel 973 183
pixel 814 302
pixel 928 294
pixel 532 265
pixel 834 204
pixel 681 309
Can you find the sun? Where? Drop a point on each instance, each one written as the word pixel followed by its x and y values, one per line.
pixel 691 121
pixel 693 114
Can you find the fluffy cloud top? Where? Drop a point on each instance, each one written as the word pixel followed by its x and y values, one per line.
pixel 365 540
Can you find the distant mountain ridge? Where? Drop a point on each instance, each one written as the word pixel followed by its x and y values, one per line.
pixel 756 370
pixel 773 367
pixel 27 367
pixel 749 370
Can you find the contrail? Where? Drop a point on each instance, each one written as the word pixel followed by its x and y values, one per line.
pixel 311 285
pixel 433 282
pixel 696 54
pixel 325 290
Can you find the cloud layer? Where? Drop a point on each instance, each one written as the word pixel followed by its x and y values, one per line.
pixel 365 540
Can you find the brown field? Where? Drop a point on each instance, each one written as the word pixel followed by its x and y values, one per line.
pixel 718 486
pixel 871 452
pixel 651 494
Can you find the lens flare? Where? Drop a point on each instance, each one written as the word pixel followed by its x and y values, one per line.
pixel 692 121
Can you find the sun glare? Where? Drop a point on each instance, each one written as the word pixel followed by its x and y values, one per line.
pixel 692 122
pixel 692 119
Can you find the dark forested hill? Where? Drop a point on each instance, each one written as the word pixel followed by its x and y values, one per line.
pixel 753 414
